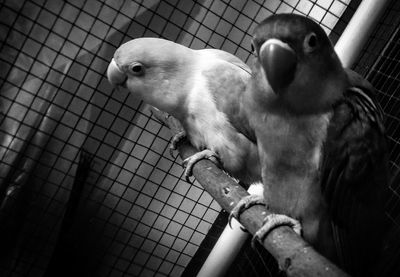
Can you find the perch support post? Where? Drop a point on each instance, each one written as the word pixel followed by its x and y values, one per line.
pixel 354 37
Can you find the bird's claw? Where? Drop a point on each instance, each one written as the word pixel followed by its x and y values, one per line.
pixel 273 221
pixel 192 160
pixel 176 139
pixel 243 204
pixel 171 151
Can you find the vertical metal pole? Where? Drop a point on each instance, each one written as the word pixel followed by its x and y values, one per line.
pixel 228 245
pixel 358 30
pixel 225 251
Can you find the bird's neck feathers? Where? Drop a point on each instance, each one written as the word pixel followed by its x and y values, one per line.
pixel 317 92
pixel 260 96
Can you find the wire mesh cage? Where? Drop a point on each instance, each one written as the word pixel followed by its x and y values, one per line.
pixel 86 181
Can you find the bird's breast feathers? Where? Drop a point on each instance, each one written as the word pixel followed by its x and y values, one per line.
pixel 205 122
pixel 289 138
pixel 209 127
pixel 292 155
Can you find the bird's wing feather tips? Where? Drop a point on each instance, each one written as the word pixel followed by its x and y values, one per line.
pixel 354 178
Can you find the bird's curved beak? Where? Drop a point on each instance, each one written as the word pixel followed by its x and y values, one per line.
pixel 279 62
pixel 115 76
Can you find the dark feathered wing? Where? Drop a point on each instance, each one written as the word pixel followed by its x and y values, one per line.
pixel 354 177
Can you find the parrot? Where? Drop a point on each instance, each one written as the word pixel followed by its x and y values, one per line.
pixel 203 90
pixel 321 143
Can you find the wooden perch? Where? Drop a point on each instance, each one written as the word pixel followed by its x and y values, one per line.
pixel 295 256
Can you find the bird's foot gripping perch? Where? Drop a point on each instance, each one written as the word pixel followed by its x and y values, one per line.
pixel 205 154
pixel 245 203
pixel 270 222
pixel 176 139
pixel 273 221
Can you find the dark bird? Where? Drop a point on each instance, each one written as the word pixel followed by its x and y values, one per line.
pixel 321 142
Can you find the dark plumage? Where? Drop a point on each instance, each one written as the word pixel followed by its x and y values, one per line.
pixel 321 141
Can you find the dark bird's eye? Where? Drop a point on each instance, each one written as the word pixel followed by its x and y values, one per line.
pixel 137 69
pixel 310 42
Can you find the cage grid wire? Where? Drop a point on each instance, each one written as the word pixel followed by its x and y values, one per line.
pixel 135 216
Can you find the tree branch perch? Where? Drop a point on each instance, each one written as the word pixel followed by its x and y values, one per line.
pixel 295 256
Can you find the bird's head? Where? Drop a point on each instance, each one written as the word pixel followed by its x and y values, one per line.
pixel 152 69
pixel 296 59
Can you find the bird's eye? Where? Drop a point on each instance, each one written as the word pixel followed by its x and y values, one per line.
pixel 137 69
pixel 310 42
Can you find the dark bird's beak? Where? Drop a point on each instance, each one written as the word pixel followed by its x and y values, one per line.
pixel 279 62
pixel 115 76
